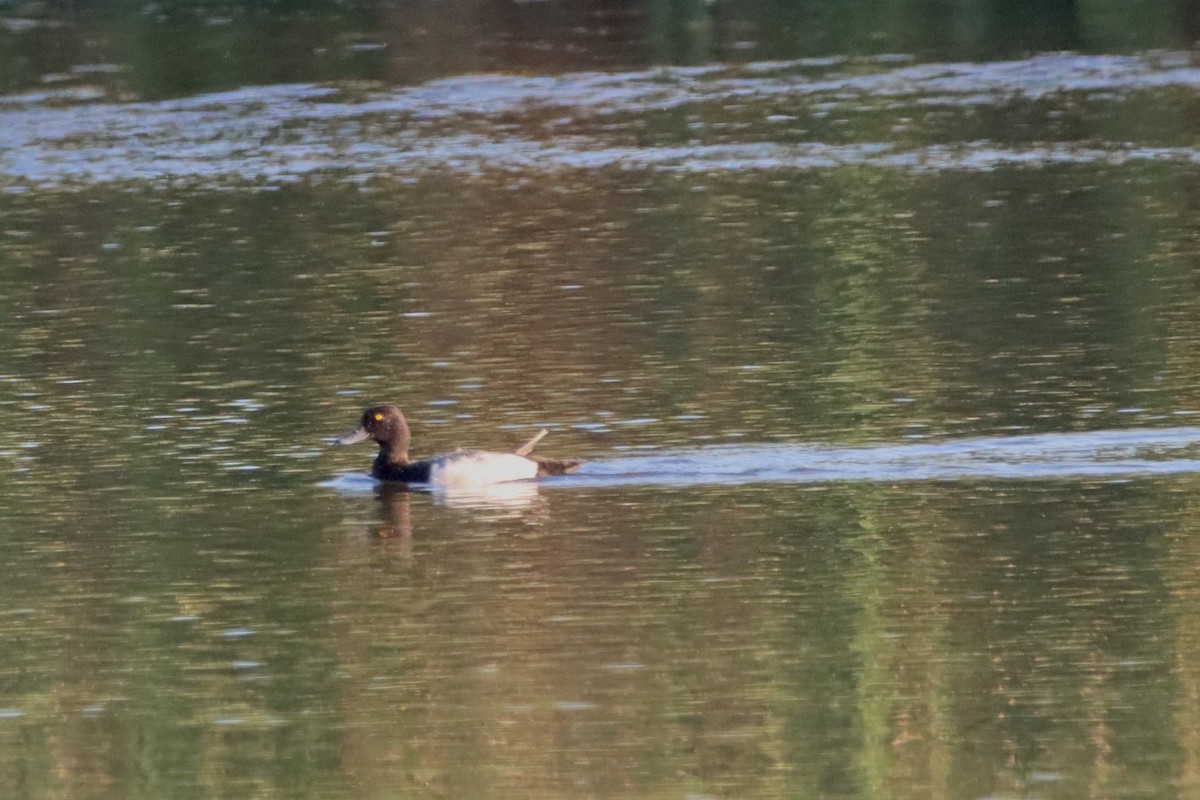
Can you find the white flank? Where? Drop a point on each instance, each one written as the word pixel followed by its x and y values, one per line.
pixel 478 467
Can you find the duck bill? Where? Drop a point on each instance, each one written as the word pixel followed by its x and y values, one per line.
pixel 356 435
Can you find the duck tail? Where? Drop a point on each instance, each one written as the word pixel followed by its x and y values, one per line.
pixel 555 466
pixel 527 448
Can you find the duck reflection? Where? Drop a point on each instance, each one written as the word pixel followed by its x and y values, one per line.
pixel 512 495
pixel 505 500
pixel 394 503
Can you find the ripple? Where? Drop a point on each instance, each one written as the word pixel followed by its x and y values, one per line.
pixel 1104 454
pixel 1117 454
pixel 282 133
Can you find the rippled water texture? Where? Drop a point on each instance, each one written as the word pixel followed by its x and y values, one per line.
pixel 1100 454
pixel 877 335
pixel 806 114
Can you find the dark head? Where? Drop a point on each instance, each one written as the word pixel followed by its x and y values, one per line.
pixel 387 426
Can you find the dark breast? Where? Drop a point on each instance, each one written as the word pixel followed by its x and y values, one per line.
pixel 414 472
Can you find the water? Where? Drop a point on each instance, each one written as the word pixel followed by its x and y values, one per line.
pixel 875 332
pixel 767 117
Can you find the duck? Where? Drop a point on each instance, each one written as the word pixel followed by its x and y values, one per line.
pixel 386 425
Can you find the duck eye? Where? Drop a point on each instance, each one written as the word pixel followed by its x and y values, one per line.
pixel 379 417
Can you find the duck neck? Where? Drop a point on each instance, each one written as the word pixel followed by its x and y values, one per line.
pixel 395 450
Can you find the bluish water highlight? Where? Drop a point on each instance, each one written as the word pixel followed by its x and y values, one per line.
pixel 1095 454
pixel 787 115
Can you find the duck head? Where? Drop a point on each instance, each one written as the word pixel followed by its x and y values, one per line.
pixel 386 426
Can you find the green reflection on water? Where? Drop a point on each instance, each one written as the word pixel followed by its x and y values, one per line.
pixel 178 47
pixel 183 612
pixel 231 331
pixel 837 641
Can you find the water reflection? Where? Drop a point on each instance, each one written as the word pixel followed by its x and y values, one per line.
pixel 394 504
pixel 1124 453
pixel 1114 454
pixel 514 495
pixel 760 117
pixel 519 499
pixel 638 641
pixel 883 368
pixel 738 630
pixel 177 47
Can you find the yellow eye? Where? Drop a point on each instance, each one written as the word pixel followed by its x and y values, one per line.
pixel 378 417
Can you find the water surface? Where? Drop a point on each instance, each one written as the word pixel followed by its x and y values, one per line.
pixel 879 347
